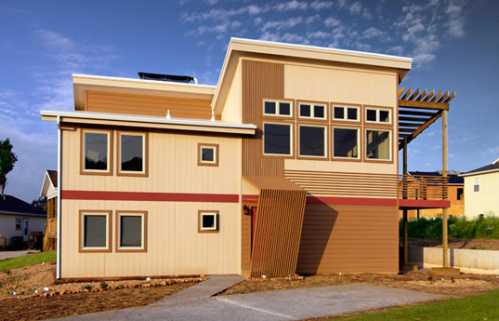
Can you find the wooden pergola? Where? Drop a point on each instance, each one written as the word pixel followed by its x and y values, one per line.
pixel 418 110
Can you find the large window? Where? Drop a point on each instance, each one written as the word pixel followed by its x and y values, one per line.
pixel 277 139
pixel 378 144
pixel 131 230
pixel 346 143
pixel 95 233
pixel 208 221
pixel 208 154
pixel 96 151
pixel 313 141
pixel 132 153
pixel 347 113
pixel 378 115
pixel 277 108
pixel 312 111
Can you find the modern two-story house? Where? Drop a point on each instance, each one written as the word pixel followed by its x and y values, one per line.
pixel 288 165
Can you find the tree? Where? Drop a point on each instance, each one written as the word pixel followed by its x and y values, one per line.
pixel 7 161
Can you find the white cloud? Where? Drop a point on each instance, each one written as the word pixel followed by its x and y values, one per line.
pixel 291 5
pixel 332 22
pixel 356 8
pixel 320 5
pixel 372 32
pixel 282 24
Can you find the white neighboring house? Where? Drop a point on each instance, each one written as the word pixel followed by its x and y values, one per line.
pixel 18 218
pixel 481 187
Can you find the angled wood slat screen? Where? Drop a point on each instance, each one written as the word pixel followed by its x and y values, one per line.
pixel 345 184
pixel 277 233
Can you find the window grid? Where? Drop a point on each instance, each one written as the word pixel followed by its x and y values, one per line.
pixel 313 108
pixel 278 108
pixel 345 111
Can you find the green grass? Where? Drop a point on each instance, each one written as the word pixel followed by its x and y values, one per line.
pixel 27 260
pixel 475 308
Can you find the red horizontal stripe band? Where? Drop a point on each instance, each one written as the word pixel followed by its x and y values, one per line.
pixel 146 196
pixel 424 203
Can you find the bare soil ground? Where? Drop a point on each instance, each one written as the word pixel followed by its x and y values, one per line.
pixel 462 285
pixel 475 244
pixel 31 294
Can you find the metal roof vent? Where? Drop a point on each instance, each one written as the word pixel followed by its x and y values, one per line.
pixel 170 78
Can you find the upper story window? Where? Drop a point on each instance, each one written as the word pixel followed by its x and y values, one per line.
pixel 348 113
pixel 476 185
pixel 208 154
pixel 312 141
pixel 346 143
pixel 313 111
pixel 277 139
pixel 132 153
pixel 378 144
pixel 378 115
pixel 277 108
pixel 96 151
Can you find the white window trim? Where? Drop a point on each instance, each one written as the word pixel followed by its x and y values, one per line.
pixel 290 139
pixel 118 231
pixel 215 154
pixel 325 141
pixel 345 114
pixel 94 248
pixel 143 135
pixel 206 213
pixel 359 148
pixel 312 110
pixel 278 108
pixel 109 151
pixel 377 109
pixel 390 151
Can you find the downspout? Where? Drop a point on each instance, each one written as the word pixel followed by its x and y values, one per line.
pixel 59 201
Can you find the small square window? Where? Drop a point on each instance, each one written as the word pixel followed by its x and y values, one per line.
pixel 339 113
pixel 208 154
pixel 305 110
pixel 270 108
pixel 384 116
pixel 346 113
pixel 352 114
pixel 208 221
pixel 284 108
pixel 371 115
pixel 319 111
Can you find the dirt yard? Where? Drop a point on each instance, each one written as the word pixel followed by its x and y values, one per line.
pixel 462 285
pixel 31 294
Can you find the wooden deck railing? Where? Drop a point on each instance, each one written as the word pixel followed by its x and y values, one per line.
pixel 421 187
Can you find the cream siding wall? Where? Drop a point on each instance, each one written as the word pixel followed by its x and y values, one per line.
pixel 485 201
pixel 339 166
pixel 174 245
pixel 232 110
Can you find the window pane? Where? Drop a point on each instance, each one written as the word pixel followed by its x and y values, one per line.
pixel 305 111
pixel 270 107
pixel 352 113
pixel 130 231
pixel 384 116
pixel 378 144
pixel 284 108
pixel 277 139
pixel 319 111
pixel 208 221
pixel 346 142
pixel 207 154
pixel 312 141
pixel 371 115
pixel 131 153
pixel 96 151
pixel 339 112
pixel 94 231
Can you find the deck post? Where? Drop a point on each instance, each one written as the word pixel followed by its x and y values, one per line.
pixel 404 196
pixel 445 237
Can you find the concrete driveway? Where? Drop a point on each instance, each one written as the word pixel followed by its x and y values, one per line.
pixel 295 304
pixel 10 254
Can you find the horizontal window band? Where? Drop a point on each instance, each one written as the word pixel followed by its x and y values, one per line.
pixel 147 196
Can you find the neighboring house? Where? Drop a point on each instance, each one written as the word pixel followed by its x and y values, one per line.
pixel 455 194
pixel 289 164
pixel 19 219
pixel 49 194
pixel 481 186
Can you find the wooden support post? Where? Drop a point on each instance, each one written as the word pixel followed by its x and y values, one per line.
pixel 404 195
pixel 445 237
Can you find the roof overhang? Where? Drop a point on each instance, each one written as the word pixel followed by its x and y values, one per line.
pixel 238 46
pixel 82 83
pixel 182 124
pixel 495 170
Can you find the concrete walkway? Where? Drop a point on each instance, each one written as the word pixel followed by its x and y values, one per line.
pixel 10 254
pixel 296 304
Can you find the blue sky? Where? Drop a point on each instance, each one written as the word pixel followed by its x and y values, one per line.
pixel 454 43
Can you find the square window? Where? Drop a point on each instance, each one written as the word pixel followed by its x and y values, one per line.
pixel 319 111
pixel 208 154
pixel 352 114
pixel 312 141
pixel 208 221
pixel 284 109
pixel 384 116
pixel 95 230
pixel 305 110
pixel 132 153
pixel 96 149
pixel 270 108
pixel 339 113
pixel 371 115
pixel 277 139
pixel 346 142
pixel 131 230
pixel 378 145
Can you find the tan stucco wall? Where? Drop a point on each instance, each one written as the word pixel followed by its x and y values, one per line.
pixel 232 110
pixel 486 201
